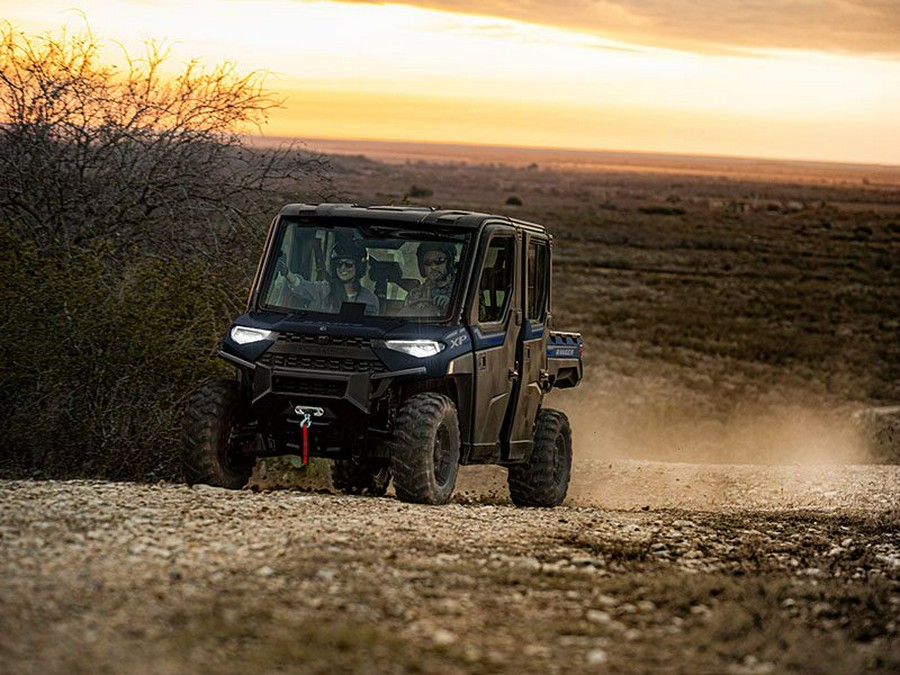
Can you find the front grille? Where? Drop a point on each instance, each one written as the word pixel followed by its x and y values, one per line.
pixel 308 387
pixel 341 354
pixel 337 341
pixel 322 363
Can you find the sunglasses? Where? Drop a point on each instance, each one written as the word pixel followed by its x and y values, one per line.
pixel 344 263
pixel 434 262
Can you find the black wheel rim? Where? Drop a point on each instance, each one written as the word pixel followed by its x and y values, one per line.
pixel 442 466
pixel 559 460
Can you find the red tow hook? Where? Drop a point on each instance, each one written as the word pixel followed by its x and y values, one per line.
pixel 305 426
pixel 306 414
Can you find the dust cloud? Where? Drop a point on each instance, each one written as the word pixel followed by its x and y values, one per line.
pixel 669 426
pixel 638 451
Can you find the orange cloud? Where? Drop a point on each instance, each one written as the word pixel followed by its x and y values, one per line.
pixel 869 27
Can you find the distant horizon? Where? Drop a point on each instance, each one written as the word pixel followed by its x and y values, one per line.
pixel 350 143
pixel 810 82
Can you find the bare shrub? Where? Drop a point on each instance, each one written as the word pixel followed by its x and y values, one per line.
pixel 131 209
pixel 90 151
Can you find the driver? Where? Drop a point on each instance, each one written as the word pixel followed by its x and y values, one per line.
pixel 436 265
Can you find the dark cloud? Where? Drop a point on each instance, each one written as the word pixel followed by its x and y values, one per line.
pixel 843 26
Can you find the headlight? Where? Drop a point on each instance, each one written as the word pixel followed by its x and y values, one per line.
pixel 245 335
pixel 418 348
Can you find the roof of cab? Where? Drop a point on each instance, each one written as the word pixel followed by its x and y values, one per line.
pixel 408 214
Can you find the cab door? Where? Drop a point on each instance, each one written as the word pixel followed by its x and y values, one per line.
pixel 495 316
pixel 531 348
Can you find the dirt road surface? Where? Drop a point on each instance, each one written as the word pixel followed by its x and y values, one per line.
pixel 648 567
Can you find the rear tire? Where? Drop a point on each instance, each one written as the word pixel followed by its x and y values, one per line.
pixel 544 479
pixel 425 449
pixel 361 477
pixel 214 414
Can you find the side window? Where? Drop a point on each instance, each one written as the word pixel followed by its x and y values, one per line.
pixel 538 280
pixel 496 284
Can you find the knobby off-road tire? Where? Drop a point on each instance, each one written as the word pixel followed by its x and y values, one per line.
pixel 361 477
pixel 544 479
pixel 214 412
pixel 425 449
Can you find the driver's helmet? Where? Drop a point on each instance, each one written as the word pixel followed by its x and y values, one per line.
pixel 350 251
pixel 449 250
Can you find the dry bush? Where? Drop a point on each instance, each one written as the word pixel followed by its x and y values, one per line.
pixel 131 214
pixel 96 364
pixel 91 152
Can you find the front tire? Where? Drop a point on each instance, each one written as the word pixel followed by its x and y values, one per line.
pixel 215 413
pixel 425 449
pixel 544 479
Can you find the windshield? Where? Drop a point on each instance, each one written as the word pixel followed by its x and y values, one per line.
pixel 380 270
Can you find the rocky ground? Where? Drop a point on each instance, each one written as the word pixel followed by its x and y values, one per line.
pixel 649 567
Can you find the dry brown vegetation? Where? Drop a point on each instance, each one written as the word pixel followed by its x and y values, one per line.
pixel 131 214
pixel 720 300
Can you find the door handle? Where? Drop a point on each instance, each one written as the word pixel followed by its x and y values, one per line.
pixel 513 373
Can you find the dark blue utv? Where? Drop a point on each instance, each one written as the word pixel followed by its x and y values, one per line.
pixel 399 342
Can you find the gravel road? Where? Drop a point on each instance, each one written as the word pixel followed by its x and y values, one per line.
pixel 649 567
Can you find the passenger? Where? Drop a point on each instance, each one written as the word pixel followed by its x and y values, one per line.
pixel 348 264
pixel 438 270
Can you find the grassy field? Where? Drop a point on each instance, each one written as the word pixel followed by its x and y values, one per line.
pixel 751 296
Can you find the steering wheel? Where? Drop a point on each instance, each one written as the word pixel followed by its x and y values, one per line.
pixel 422 303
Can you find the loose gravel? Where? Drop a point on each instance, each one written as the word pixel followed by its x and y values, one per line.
pixel 130 578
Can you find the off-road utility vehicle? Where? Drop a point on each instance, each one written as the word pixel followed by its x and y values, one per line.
pixel 399 342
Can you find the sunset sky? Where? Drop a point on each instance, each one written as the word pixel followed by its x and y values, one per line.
pixel 797 79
